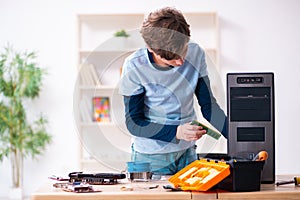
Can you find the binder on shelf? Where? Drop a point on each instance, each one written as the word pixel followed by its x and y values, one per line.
pixel 83 77
pixel 89 75
pixel 94 74
pixel 84 110
pixel 101 109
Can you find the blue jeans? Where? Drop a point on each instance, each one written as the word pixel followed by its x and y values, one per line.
pixel 167 163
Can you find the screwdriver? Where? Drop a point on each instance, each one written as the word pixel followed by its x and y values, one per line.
pixel 296 181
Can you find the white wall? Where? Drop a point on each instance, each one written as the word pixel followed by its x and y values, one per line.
pixel 256 35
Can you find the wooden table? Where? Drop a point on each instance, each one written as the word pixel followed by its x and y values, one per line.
pixel 115 192
pixel 141 191
pixel 267 191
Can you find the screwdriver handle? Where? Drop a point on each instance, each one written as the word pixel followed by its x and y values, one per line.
pixel 262 155
pixel 297 180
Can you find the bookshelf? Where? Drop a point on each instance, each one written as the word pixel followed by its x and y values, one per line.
pixel 106 145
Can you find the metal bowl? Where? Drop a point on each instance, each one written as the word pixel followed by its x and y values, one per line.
pixel 139 176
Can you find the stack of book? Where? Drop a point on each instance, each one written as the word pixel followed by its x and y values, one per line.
pixel 92 109
pixel 89 75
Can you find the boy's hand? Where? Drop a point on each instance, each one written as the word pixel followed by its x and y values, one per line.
pixel 189 132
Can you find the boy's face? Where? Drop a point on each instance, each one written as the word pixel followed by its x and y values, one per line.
pixel 174 62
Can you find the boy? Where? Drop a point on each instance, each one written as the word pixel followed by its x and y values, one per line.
pixel 158 84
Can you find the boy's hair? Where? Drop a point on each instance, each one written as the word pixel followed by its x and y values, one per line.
pixel 166 32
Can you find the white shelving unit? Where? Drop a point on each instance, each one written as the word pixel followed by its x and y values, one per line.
pixel 205 31
pixel 105 146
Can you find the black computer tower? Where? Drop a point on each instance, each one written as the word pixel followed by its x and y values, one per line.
pixel 250 111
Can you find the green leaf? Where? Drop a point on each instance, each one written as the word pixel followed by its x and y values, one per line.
pixel 121 33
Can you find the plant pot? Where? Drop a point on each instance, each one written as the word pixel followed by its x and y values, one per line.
pixel 15 193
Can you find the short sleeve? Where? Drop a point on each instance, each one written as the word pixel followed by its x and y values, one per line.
pixel 130 82
pixel 203 65
pixel 196 57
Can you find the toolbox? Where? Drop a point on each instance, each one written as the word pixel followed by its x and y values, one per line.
pixel 200 175
pixel 245 174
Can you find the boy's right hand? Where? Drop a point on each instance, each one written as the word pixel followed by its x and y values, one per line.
pixel 189 132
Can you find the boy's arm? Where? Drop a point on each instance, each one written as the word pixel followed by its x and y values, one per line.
pixel 210 109
pixel 138 126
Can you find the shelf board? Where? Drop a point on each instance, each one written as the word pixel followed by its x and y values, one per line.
pixel 97 87
pixel 95 124
pixel 86 53
pixel 89 161
pixel 97 16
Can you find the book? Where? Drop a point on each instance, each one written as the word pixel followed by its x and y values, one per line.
pixel 212 133
pixel 85 117
pixel 88 75
pixel 93 72
pixel 101 109
pixel 83 77
pixel 87 106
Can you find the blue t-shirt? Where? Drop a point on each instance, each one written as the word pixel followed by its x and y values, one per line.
pixel 169 93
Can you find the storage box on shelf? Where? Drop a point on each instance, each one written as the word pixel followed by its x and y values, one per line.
pixel 101 55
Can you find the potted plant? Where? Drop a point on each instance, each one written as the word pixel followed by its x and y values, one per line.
pixel 121 33
pixel 20 80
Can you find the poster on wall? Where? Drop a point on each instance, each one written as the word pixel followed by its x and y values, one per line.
pixel 101 109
